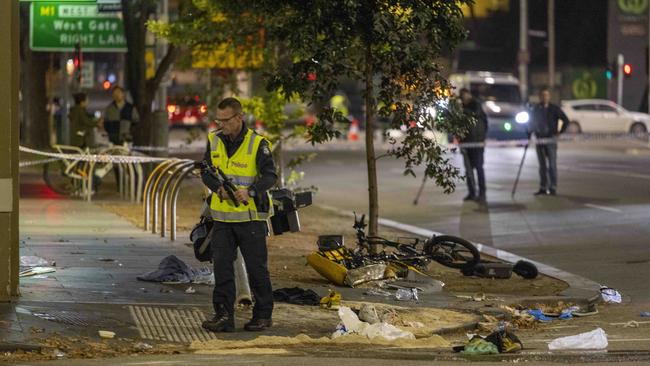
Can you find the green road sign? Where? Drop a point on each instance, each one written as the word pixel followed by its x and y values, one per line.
pixel 58 26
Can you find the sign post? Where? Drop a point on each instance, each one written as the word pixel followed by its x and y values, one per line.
pixel 59 26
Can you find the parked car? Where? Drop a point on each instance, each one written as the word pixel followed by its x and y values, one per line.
pixel 187 111
pixel 600 115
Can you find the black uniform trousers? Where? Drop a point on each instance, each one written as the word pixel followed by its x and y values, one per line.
pixel 250 237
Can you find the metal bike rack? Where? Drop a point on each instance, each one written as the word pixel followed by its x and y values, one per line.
pixel 148 188
pixel 173 197
pixel 164 191
pixel 155 194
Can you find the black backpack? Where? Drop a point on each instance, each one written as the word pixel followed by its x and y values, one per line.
pixel 201 236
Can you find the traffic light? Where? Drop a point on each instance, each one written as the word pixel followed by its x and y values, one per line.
pixel 610 72
pixel 627 70
pixel 78 60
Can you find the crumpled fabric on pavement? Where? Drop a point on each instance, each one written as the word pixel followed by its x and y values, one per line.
pixel 171 269
pixel 297 296
pixel 479 346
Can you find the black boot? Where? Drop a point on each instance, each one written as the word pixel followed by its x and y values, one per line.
pixel 221 322
pixel 258 325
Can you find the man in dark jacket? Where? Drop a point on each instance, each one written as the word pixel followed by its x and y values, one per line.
pixel 120 117
pixel 544 124
pixel 473 155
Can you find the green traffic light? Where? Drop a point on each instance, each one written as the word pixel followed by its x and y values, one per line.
pixel 507 126
pixel 609 74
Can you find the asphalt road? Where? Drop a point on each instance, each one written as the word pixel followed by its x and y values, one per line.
pixel 596 227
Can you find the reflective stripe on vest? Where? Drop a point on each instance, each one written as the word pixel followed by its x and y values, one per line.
pixel 241 167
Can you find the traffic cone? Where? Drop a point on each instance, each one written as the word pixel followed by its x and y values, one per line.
pixel 259 126
pixel 353 133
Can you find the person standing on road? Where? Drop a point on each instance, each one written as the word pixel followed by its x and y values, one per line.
pixel 245 157
pixel 119 118
pixel 544 124
pixel 82 124
pixel 473 156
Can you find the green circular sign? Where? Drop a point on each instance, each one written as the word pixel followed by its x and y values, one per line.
pixel 636 7
pixel 584 87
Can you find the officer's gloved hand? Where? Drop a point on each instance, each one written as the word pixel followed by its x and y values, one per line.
pixel 210 181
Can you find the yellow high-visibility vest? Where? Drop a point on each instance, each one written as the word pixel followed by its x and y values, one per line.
pixel 241 168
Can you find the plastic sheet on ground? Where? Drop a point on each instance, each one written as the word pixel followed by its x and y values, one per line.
pixel 36 271
pixel 350 324
pixel 173 270
pixel 32 261
pixel 594 340
pixel 610 295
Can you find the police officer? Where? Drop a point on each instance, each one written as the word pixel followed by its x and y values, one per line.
pixel 544 124
pixel 245 157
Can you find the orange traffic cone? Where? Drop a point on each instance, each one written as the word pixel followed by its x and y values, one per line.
pixel 353 133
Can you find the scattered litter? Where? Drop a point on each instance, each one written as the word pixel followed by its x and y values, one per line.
pixel 568 312
pixel 350 324
pixel 610 295
pixel 539 315
pixel 296 295
pixel 368 314
pixel 479 346
pixel 331 301
pixel 596 339
pixel 357 276
pixel 645 314
pixel 58 353
pixel 33 261
pixel 190 290
pixel 36 271
pixel 106 334
pixel 378 292
pixel 141 346
pixel 106 260
pixel 407 295
pixel 631 324
pixel 415 324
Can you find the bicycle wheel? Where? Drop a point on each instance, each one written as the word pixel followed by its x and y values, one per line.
pixel 452 251
pixel 55 178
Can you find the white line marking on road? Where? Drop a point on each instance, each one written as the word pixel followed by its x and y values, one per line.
pixel 604 208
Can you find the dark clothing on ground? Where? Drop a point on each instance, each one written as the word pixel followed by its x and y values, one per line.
pixel 544 121
pixel 544 124
pixel 297 296
pixel 81 127
pixel 119 122
pixel 473 156
pixel 250 237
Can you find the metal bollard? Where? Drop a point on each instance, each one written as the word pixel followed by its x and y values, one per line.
pixel 243 295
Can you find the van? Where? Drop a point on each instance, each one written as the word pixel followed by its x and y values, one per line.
pixel 501 100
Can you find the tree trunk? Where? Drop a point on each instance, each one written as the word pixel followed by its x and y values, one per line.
pixel 373 200
pixel 35 120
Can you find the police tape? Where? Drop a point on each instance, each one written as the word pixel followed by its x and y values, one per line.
pixel 97 158
pixel 591 137
pixel 24 164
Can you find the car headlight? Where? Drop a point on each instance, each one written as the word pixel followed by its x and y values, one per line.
pixel 522 117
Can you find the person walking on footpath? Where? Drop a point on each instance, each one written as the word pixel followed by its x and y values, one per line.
pixel 544 124
pixel 120 117
pixel 245 157
pixel 82 124
pixel 473 155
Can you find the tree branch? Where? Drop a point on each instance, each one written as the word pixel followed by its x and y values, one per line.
pixel 165 64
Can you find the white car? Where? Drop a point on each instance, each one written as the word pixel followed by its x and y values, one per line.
pixel 600 115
